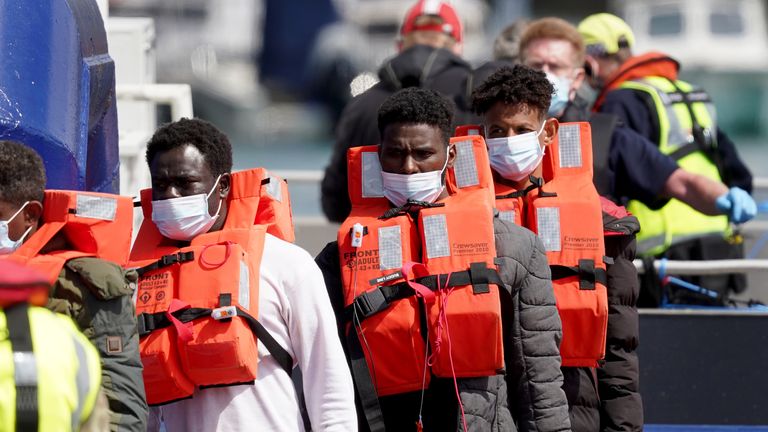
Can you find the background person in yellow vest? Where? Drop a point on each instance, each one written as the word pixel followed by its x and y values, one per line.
pixel 50 374
pixel 644 92
pixel 415 129
pixel 514 102
pixel 95 293
pixel 190 162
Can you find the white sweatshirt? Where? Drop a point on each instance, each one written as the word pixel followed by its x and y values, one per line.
pixel 294 308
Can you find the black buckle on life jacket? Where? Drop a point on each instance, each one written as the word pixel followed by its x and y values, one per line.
pixel 478 275
pixel 167 260
pixel 370 303
pixel 145 323
pixel 586 274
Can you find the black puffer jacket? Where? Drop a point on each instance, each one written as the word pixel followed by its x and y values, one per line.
pixel 418 66
pixel 533 331
pixel 618 406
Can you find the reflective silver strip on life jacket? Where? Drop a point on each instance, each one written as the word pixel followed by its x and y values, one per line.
pixel 82 381
pixel 390 248
pixel 372 184
pixel 465 166
pixel 569 143
pixel 24 368
pixel 274 188
pixel 652 243
pixel 548 227
pixel 95 207
pixel 436 236
pixel 244 286
pixel 508 215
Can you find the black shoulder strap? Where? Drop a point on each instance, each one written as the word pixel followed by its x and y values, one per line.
pixel 366 390
pixel 20 336
pixel 602 125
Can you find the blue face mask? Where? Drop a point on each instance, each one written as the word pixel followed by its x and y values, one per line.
pixel 561 97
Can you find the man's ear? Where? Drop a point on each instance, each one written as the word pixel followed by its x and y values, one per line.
pixel 578 80
pixel 225 185
pixel 32 213
pixel 551 126
pixel 451 156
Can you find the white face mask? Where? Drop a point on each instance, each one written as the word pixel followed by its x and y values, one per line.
pixel 516 157
pixel 8 246
pixel 562 94
pixel 183 218
pixel 427 186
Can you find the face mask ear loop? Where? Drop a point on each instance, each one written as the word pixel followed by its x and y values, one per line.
pixel 541 129
pixel 21 239
pixel 17 213
pixel 216 183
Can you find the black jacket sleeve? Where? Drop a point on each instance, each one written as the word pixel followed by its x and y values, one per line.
pixel 735 171
pixel 621 407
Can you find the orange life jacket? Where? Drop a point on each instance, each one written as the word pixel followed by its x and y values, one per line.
pixel 564 210
pixel 422 276
pixel 94 224
pixel 197 305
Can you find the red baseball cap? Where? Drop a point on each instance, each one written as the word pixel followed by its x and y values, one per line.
pixel 451 24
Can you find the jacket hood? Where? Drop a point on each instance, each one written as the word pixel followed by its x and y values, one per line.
pixel 417 65
pixel 649 64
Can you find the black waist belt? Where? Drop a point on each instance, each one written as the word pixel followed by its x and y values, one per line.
pixel 586 272
pixel 149 322
pixel 379 299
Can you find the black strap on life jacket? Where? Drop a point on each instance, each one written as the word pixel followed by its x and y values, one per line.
pixel 20 336
pixel 366 390
pixel 536 183
pixel 411 206
pixel 167 260
pixel 149 322
pixel 378 299
pixel 602 125
pixel 586 271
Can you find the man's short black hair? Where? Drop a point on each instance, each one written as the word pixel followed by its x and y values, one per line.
pixel 212 143
pixel 416 105
pixel 514 86
pixel 22 177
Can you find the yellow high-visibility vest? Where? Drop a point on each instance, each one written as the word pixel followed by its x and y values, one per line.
pixel 676 221
pixel 53 384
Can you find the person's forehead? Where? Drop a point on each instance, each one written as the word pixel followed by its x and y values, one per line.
pixel 550 50
pixel 519 112
pixel 182 159
pixel 411 133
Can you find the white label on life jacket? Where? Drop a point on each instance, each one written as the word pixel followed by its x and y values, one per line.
pixel 390 248
pixel 464 167
pixel 274 188
pixel 96 207
pixel 436 236
pixel 548 227
pixel 372 184
pixel 569 144
pixel 507 215
pixel 244 287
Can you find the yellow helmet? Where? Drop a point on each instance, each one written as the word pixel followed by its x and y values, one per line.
pixel 605 33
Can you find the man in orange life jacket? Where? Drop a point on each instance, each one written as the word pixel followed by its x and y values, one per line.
pixel 514 103
pixel 94 292
pixel 412 198
pixel 193 199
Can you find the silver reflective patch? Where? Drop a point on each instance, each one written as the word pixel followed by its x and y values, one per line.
pixel 436 236
pixel 465 167
pixel 372 184
pixel 244 287
pixel 569 142
pixel 548 226
pixel 94 207
pixel 507 215
pixel 274 188
pixel 390 248
pixel 24 368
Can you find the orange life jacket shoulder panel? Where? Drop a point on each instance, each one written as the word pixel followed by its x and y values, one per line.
pixel 196 304
pixel 94 224
pixel 453 315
